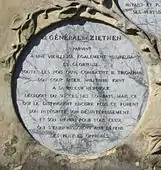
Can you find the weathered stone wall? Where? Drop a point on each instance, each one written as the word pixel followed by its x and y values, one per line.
pixel 18 151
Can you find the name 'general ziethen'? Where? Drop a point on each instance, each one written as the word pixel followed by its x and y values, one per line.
pixel 87 37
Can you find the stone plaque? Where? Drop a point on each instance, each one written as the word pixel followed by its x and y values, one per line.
pixel 145 13
pixel 80 87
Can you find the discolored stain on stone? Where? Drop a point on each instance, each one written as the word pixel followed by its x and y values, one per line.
pixel 125 154
pixel 38 162
pixel 3 168
pixel 7 77
pixel 10 150
pixel 123 159
pixel 14 140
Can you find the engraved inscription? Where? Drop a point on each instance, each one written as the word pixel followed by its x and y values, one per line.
pixel 80 88
pixel 145 13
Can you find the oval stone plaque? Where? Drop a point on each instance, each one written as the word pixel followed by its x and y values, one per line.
pixel 145 13
pixel 80 87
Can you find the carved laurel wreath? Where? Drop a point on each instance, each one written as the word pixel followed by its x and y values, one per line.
pixel 88 9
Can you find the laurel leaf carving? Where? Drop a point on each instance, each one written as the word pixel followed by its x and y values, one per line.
pixel 68 12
